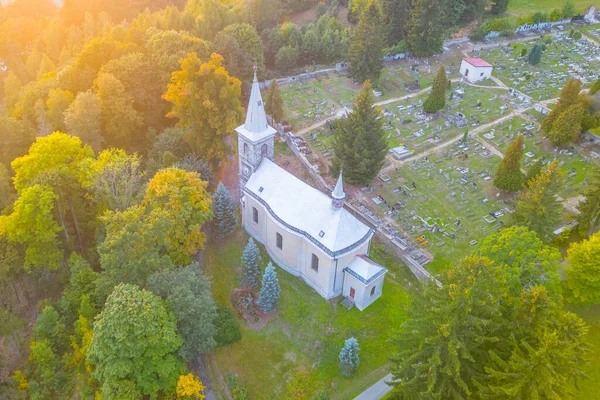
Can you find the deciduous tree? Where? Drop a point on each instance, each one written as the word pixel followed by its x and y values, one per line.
pixel 190 387
pixel 274 106
pixel 58 102
pixel 509 176
pixel 83 119
pixel 268 297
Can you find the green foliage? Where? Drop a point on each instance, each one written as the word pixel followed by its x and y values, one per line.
pixel 145 363
pixel 589 209
pixel 82 282
pixel 49 328
pixel 537 207
pixel 193 163
pixel 250 265
pixel 223 208
pixel 366 46
pixel 268 297
pixel 425 29
pixel 274 106
pixel 437 98
pixel 567 126
pixel 238 391
pixel 349 359
pixel 581 284
pixel 535 55
pixel 533 171
pixel 398 12
pixel 189 293
pixel 286 58
pixel 568 9
pixel 509 176
pixel 499 6
pixel 57 103
pixel 360 145
pixel 569 96
pixel 46 377
pixel 250 45
pixel 227 328
pixel 83 119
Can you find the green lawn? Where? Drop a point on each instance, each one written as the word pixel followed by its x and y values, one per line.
pixel 305 338
pixel 527 7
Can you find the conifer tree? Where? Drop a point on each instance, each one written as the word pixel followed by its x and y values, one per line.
pixel 349 359
pixel 437 98
pixel 509 176
pixel 589 209
pixel 537 207
pixel 535 55
pixel 569 95
pixel 582 283
pixel 224 219
pixel 398 14
pixel 567 126
pixel 268 297
pixel 533 171
pixel 360 145
pixel 426 28
pixel 251 261
pixel 366 47
pixel 274 106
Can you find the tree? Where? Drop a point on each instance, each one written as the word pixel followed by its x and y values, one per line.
pixel 537 207
pixel 6 188
pixel 595 87
pixel 366 47
pixel 181 198
pixel 82 282
pixel 425 29
pixel 589 209
pixel 535 55
pixel 250 264
pixel 49 327
pixel 250 43
pixel 286 58
pixel 349 359
pixel 268 297
pixel 509 176
pixel 189 387
pixel 83 119
pixel 398 12
pixel 58 102
pixel 146 362
pixel 14 139
pixel 582 284
pixel 206 101
pixel 499 6
pixel 360 145
pixel 437 97
pixel 568 9
pixel 193 163
pixel 569 95
pixel 227 328
pixel 274 106
pixel 190 296
pixel 533 171
pixel 567 126
pixel 46 379
pixel 223 209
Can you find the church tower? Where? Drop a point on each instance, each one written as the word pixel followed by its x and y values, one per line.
pixel 255 136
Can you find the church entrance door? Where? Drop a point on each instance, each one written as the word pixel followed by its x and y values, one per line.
pixel 352 292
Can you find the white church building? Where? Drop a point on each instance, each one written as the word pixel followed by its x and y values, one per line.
pixel 475 69
pixel 307 233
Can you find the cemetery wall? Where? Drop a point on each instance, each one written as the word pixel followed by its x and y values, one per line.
pixel 531 27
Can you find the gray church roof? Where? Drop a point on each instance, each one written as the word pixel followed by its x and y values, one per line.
pixel 364 269
pixel 256 127
pixel 306 210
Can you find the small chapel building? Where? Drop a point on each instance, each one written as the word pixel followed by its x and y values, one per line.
pixel 475 69
pixel 306 232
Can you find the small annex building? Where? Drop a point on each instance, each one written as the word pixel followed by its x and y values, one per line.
pixel 475 69
pixel 306 232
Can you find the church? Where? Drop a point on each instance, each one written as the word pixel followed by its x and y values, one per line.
pixel 307 233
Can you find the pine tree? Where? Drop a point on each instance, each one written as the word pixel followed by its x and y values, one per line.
pixel 537 207
pixel 224 219
pixel 268 297
pixel 509 176
pixel 274 106
pixel 360 145
pixel 349 359
pixel 567 126
pixel 582 283
pixel 535 55
pixel 569 95
pixel 426 28
pixel 251 261
pixel 589 209
pixel 366 47
pixel 437 98
pixel 499 6
pixel 533 171
pixel 398 14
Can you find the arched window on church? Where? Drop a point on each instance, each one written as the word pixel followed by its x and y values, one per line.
pixel 264 150
pixel 245 148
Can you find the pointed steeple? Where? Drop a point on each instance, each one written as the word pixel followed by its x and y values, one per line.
pixel 338 194
pixel 256 117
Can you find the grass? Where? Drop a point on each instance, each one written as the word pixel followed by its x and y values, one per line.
pixel 526 7
pixel 305 337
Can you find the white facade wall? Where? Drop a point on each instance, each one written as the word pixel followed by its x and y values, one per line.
pixel 475 74
pixel 362 293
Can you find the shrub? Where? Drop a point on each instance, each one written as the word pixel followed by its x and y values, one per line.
pixel 228 329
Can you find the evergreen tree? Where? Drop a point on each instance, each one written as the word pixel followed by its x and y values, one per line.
pixel 533 171
pixel 589 209
pixel 366 47
pixel 509 176
pixel 426 28
pixel 537 207
pixel 224 221
pixel 274 106
pixel 398 15
pixel 499 6
pixel 535 55
pixel 582 283
pixel 251 261
pixel 569 95
pixel 349 359
pixel 567 126
pixel 360 145
pixel 268 297
pixel 595 87
pixel 437 98
pixel 568 9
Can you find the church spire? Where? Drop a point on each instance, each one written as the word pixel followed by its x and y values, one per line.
pixel 256 118
pixel 338 194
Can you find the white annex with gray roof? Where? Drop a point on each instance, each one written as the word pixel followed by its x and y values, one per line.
pixel 306 232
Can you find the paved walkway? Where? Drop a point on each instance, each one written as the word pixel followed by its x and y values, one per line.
pixel 377 391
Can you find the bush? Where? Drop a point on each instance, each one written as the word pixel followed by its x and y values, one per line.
pixel 238 391
pixel 228 329
pixel 577 35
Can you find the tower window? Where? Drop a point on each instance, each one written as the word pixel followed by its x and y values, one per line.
pixel 373 290
pixel 279 241
pixel 245 148
pixel 255 215
pixel 314 264
pixel 264 150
